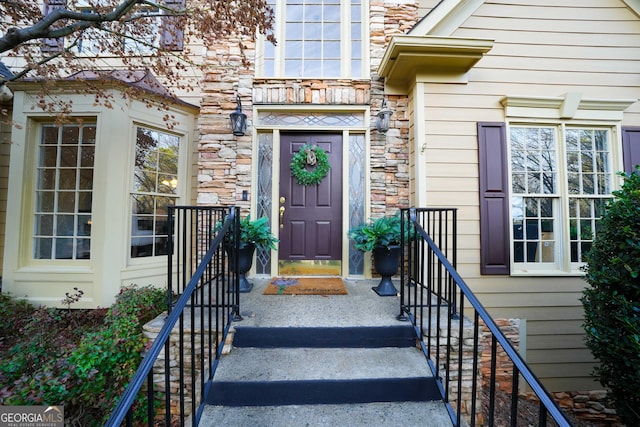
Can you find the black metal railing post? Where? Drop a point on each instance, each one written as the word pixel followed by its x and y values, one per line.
pixel 430 279
pixel 201 315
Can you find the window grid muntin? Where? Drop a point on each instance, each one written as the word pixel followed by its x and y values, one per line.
pixel 310 119
pixel 154 189
pixel 63 196
pixel 593 175
pixel 347 63
pixel 578 223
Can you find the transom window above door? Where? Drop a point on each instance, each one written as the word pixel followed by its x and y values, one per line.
pixel 316 38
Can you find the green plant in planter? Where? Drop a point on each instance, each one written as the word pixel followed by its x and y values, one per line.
pixel 612 301
pixel 382 237
pixel 253 234
pixel 384 231
pixel 257 232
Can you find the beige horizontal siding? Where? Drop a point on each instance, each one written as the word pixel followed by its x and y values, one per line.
pixel 558 11
pixel 501 89
pixel 559 356
pixel 534 25
pixel 541 49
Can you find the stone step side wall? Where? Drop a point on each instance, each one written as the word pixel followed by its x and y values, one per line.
pixel 186 395
pixel 588 406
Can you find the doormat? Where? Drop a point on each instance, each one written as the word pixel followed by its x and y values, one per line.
pixel 305 286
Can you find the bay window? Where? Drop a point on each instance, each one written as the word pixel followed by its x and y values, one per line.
pixel 155 188
pixel 64 190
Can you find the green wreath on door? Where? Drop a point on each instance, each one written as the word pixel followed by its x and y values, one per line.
pixel 310 156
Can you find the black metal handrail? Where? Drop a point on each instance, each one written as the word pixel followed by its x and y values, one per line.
pixel 208 302
pixel 433 297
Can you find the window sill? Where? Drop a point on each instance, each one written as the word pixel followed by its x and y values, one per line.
pixel 55 267
pixel 545 273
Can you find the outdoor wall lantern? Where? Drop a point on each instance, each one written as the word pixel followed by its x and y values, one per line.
pixel 238 119
pixel 383 119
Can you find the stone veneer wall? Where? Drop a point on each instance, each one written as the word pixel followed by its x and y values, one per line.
pixel 588 406
pixel 224 161
pixel 450 346
pixel 151 330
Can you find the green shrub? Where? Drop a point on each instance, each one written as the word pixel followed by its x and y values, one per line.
pixel 87 374
pixel 612 302
pixel 14 314
pixel 106 360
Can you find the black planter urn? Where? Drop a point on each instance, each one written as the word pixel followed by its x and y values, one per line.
pixel 386 262
pixel 245 261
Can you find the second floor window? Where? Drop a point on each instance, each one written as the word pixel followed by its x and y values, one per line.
pixel 316 39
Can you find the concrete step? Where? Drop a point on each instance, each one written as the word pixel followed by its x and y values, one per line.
pixel 295 376
pixel 381 414
pixel 325 337
pixel 323 361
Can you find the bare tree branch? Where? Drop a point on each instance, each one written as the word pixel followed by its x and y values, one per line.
pixel 75 36
pixel 46 28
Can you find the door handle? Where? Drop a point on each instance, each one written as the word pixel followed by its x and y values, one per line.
pixel 282 209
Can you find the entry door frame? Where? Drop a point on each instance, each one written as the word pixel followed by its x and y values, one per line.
pixel 299 204
pixel 362 128
pixel 275 194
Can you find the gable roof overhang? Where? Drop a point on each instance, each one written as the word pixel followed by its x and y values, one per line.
pixel 448 15
pixel 408 59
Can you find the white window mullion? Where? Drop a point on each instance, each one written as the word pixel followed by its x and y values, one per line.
pixel 281 20
pixel 345 40
pixel 563 213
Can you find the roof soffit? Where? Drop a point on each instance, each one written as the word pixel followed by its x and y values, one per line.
pixel 446 58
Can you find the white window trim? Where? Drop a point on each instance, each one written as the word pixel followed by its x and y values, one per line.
pixel 181 189
pixel 569 111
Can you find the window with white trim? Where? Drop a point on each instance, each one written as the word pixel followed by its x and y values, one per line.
pixel 561 178
pixel 64 191
pixel 316 38
pixel 155 188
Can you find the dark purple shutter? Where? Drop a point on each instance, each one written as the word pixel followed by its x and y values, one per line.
pixel 630 148
pixel 172 27
pixel 494 199
pixel 53 45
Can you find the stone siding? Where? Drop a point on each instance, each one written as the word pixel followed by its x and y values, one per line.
pixel 224 161
pixel 151 330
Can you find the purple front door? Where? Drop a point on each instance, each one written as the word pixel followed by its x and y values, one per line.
pixel 310 215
